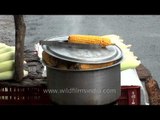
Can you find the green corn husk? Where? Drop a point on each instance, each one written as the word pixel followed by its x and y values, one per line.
pixel 7 65
pixel 8 75
pixel 7 56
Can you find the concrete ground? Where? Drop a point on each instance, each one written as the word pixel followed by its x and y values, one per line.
pixel 142 31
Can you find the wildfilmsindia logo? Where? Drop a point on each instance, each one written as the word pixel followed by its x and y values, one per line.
pixel 79 90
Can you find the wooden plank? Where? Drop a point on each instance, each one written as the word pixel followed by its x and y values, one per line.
pixel 20 29
pixel 153 91
pixel 143 73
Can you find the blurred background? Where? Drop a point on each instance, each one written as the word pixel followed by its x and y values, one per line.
pixel 141 31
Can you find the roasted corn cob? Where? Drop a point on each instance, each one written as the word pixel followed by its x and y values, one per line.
pixel 80 66
pixel 89 39
pixel 94 66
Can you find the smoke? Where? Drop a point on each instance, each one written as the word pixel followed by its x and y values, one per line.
pixel 73 24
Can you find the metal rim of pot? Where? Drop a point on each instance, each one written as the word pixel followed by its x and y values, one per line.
pixel 74 70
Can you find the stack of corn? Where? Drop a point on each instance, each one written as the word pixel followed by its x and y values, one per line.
pixel 130 61
pixel 7 61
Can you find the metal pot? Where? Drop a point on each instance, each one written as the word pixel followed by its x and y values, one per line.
pixel 84 87
pixel 93 87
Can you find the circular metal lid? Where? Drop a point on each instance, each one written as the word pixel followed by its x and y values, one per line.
pixel 88 56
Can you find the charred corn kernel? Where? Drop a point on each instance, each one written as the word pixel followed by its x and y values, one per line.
pixel 89 39
pixel 94 66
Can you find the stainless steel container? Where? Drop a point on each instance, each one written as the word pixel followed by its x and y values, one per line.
pixel 84 87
